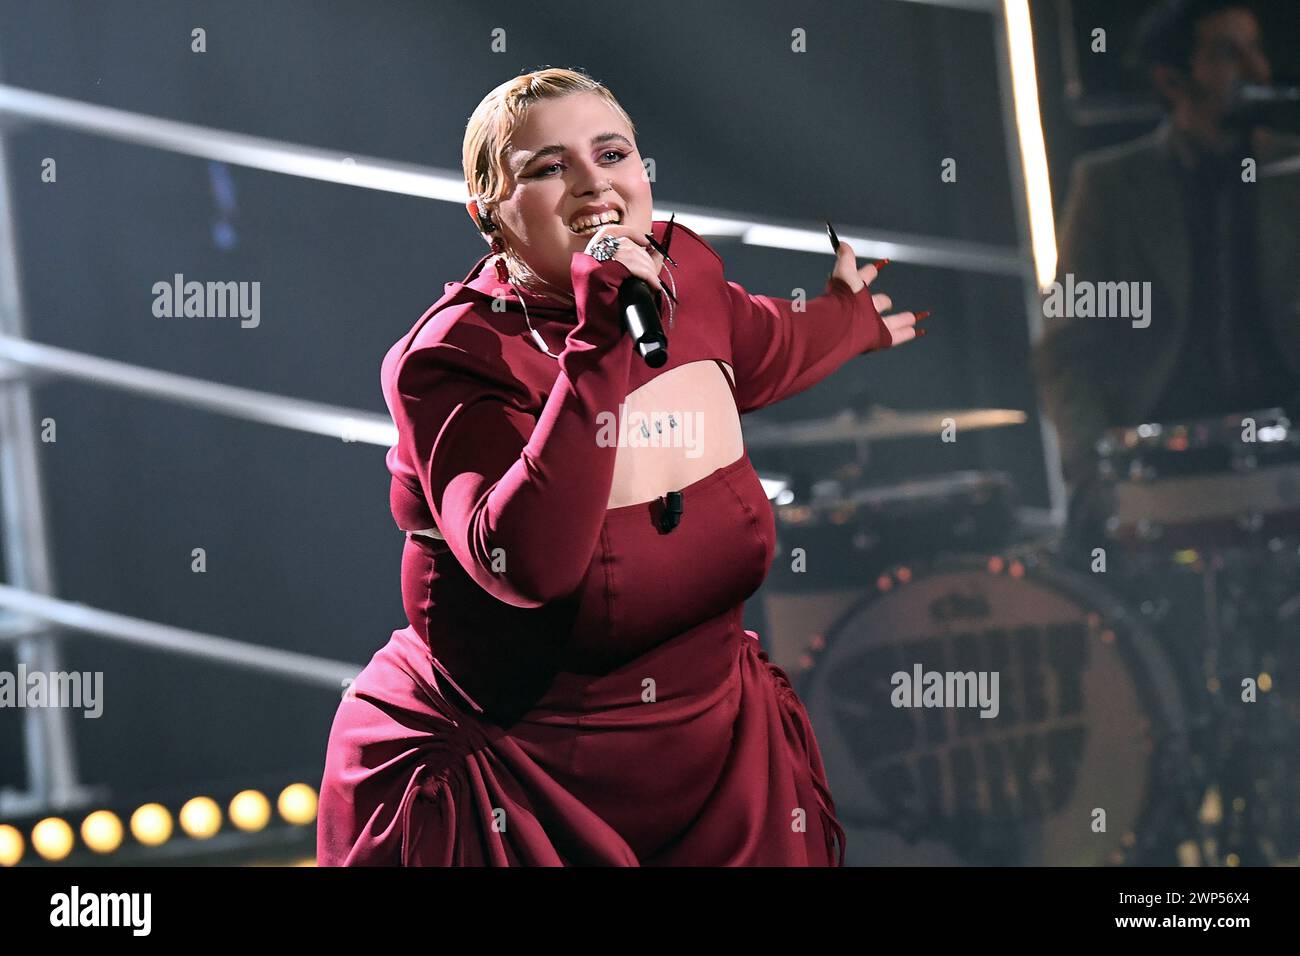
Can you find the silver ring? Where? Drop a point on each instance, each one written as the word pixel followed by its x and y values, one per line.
pixel 605 249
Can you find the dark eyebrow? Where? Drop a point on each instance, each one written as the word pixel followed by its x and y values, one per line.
pixel 557 148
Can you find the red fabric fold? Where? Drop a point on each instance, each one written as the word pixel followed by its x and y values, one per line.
pixel 424 783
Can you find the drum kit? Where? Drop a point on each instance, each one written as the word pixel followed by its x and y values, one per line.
pixel 1147 653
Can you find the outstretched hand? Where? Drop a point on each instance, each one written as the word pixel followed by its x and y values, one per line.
pixel 902 325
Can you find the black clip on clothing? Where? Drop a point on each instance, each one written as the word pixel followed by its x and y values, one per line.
pixel 672 513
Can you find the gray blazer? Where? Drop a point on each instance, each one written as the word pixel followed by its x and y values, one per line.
pixel 1124 221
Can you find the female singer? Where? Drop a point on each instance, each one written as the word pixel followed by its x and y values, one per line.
pixel 575 686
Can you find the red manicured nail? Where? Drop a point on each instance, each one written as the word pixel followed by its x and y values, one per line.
pixel 922 315
pixel 920 332
pixel 880 263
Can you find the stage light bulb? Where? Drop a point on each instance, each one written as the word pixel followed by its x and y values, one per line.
pixel 250 811
pixel 52 838
pixel 297 804
pixel 11 845
pixel 201 818
pixel 102 831
pixel 151 824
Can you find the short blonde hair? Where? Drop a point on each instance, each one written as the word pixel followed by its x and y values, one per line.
pixel 494 121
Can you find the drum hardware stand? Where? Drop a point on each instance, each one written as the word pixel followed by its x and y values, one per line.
pixel 1237 742
pixel 1225 742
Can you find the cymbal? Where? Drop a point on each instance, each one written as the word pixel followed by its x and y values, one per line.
pixel 882 423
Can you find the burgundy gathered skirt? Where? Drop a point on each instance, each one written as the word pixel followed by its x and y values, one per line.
pixel 697 753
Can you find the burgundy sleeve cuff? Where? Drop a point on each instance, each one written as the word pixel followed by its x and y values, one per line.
pixel 869 331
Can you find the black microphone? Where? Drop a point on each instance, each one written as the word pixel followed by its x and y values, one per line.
pixel 1255 104
pixel 636 302
pixel 672 513
pixel 1251 93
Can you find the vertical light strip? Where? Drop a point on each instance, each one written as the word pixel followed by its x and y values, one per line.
pixel 1029 131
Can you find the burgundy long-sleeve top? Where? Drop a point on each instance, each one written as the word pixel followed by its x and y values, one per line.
pixel 584 665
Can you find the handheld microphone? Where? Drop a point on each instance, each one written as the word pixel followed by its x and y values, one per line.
pixel 1251 93
pixel 1255 104
pixel 636 303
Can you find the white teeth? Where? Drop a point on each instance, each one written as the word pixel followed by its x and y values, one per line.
pixel 592 223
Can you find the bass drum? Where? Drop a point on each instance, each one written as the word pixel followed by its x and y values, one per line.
pixel 1083 759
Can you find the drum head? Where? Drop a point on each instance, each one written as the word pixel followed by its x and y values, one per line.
pixel 1079 761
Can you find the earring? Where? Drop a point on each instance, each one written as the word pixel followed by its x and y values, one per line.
pixel 499 250
pixel 498 244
